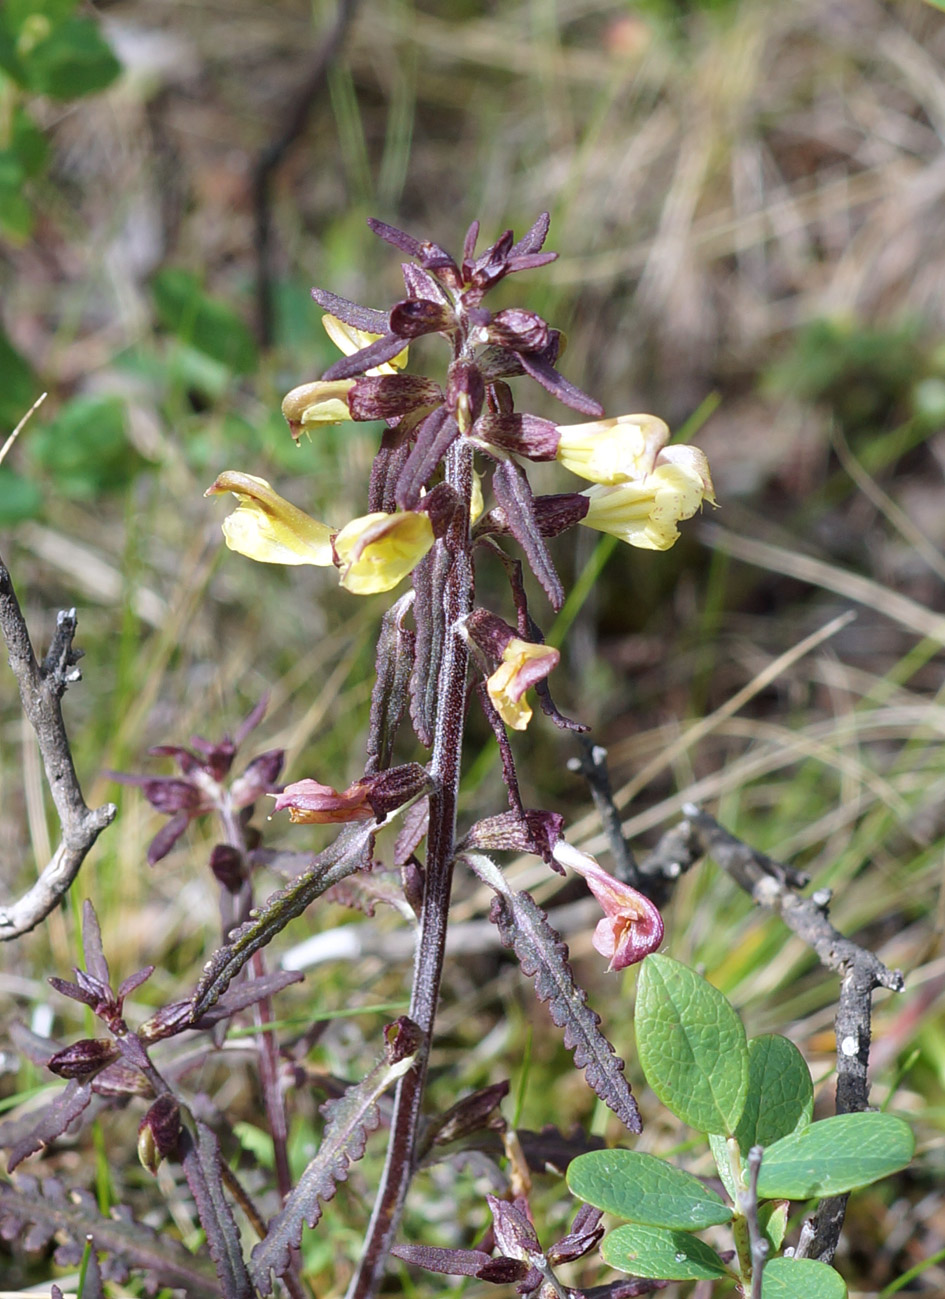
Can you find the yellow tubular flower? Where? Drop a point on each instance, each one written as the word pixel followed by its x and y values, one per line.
pixel 350 340
pixel 268 528
pixel 610 451
pixel 645 513
pixel 523 663
pixel 318 404
pixel 379 550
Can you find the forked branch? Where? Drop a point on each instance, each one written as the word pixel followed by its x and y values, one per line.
pixel 42 686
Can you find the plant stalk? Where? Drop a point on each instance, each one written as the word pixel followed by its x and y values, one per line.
pixel 441 845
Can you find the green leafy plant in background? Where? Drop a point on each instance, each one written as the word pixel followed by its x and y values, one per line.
pixel 45 49
pixel 753 1099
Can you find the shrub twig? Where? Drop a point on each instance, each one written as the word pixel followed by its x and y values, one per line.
pixel 42 686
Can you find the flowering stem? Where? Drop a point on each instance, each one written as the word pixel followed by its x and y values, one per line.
pixel 441 844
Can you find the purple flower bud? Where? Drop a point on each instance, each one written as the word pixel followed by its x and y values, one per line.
pixel 523 435
pixel 389 396
pixel 159 1132
pixel 228 866
pixel 416 317
pixel 170 1019
pixel 83 1058
pixel 518 330
pixel 390 789
pixel 465 392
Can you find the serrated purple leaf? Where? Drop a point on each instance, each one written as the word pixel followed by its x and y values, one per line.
pixel 435 436
pixel 200 1161
pixel 49 1123
pixel 349 1122
pixel 166 837
pixel 543 955
pixel 366 318
pixel 514 496
pixel 398 238
pixel 367 358
pixel 95 962
pixel 122 1241
pixel 448 1262
pixel 543 372
pixel 534 237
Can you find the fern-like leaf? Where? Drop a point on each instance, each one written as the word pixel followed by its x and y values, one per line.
pixel 350 1121
pixel 30 1211
pixel 543 955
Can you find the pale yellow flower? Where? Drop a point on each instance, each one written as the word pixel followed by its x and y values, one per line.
pixel 349 340
pixel 268 528
pixel 523 663
pixel 610 451
pixel 317 405
pixel 379 550
pixel 646 513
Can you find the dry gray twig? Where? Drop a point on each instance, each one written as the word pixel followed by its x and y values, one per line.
pixel 42 686
pixel 773 885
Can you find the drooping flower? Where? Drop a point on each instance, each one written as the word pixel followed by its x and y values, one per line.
pixel 379 550
pixel 632 926
pixel 619 450
pixel 268 528
pixel 317 405
pixel 523 664
pixel 310 803
pixel 645 513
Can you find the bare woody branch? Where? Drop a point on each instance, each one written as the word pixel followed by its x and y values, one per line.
pixel 42 686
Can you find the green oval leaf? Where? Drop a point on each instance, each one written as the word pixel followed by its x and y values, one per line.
pixel 834 1156
pixel 669 1255
pixel 73 60
pixel 780 1096
pixel 691 1045
pixel 801 1278
pixel 645 1189
pixel 206 323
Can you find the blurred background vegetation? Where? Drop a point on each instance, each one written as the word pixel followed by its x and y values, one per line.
pixel 748 200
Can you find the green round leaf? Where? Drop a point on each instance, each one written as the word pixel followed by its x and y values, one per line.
pixel 86 448
pixel 780 1096
pixel 801 1278
pixel 19 497
pixel 645 1189
pixel 653 1251
pixel 73 60
pixel 691 1045
pixel 834 1156
pixel 202 321
pixel 19 387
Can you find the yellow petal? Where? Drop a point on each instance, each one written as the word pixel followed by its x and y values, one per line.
pixel 619 450
pixel 349 340
pixel 379 550
pixel 515 712
pixel 645 514
pixel 318 403
pixel 268 528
